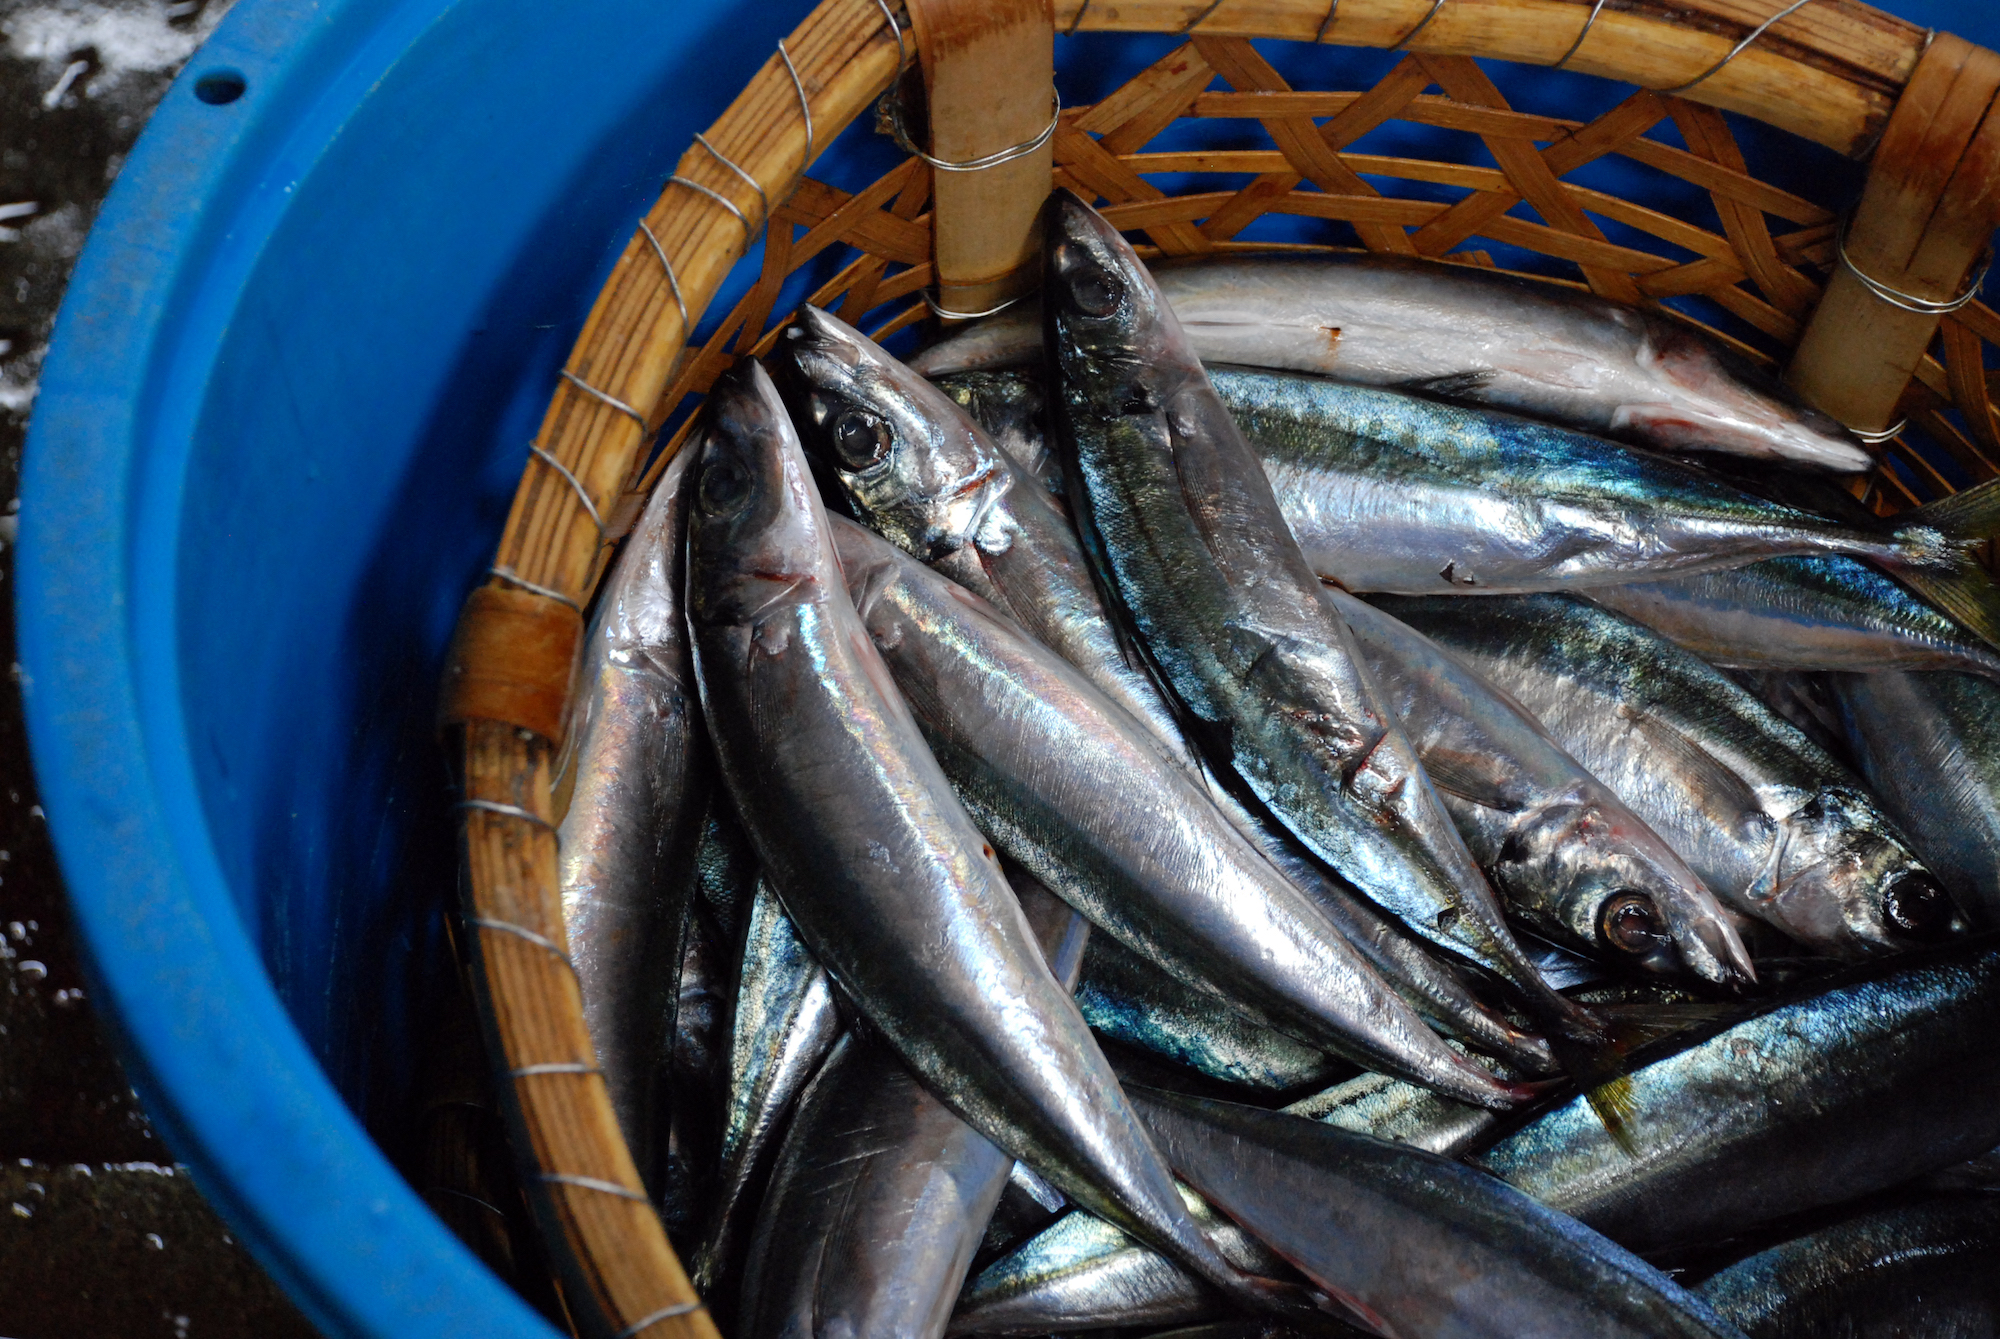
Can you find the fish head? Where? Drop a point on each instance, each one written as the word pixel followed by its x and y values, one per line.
pixel 1614 883
pixel 910 462
pixel 1845 882
pixel 1101 309
pixel 1707 400
pixel 756 533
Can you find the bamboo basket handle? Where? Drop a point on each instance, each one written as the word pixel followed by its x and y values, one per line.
pixel 988 75
pixel 1925 218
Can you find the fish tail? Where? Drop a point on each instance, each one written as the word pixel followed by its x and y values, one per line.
pixel 1971 515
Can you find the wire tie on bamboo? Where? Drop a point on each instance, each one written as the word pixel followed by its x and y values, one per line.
pixel 678 180
pixel 1083 9
pixel 555 1067
pixel 1736 50
pixel 1909 302
pixel 1201 18
pixel 523 932
pixel 607 398
pixel 980 164
pixel 1577 45
pixel 1422 24
pixel 1324 23
pixel 592 1183
pixel 902 52
pixel 513 578
pixel 664 1313
pixel 940 310
pixel 1886 435
pixel 805 107
pixel 509 811
pixel 723 159
pixel 673 280
pixel 582 494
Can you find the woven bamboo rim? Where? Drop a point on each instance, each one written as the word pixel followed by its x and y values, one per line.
pixel 1833 71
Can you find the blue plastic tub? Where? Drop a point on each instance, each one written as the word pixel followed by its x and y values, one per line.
pixel 290 393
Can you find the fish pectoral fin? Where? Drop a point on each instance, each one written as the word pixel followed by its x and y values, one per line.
pixel 1715 780
pixel 1449 385
pixel 1472 778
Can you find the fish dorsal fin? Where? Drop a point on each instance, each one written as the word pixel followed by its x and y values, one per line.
pixel 1449 386
pixel 1972 514
pixel 1714 779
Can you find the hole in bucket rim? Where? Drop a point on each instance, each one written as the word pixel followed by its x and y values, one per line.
pixel 220 87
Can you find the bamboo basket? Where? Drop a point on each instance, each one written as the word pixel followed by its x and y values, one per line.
pixel 1918 107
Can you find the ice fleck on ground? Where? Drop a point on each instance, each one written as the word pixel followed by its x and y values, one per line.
pixel 130 38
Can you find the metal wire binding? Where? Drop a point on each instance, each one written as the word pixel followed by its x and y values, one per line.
pixel 592 1183
pixel 664 1313
pixel 805 107
pixel 1907 301
pixel 513 578
pixel 555 1067
pixel 762 198
pixel 1326 22
pixel 1422 24
pixel 1736 50
pixel 678 180
pixel 612 400
pixel 1083 9
pixel 1200 18
pixel 1888 434
pixel 673 281
pixel 582 494
pixel 902 52
pixel 1577 45
pixel 950 315
pixel 980 164
pixel 510 810
pixel 523 932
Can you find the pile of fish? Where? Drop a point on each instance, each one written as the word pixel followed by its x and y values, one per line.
pixel 1185 806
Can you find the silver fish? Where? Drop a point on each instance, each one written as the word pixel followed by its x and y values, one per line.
pixel 1129 1000
pixel 1414 1244
pixel 1387 1108
pixel 921 473
pixel 1572 860
pixel 1801 613
pixel 785 1022
pixel 890 885
pixel 1779 830
pixel 1063 782
pixel 881 1194
pixel 1182 526
pixel 1081 1273
pixel 1813 1101
pixel 639 776
pixel 1463 334
pixel 1929 745
pixel 1930 1267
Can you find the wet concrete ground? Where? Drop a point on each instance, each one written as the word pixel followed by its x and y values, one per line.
pixel 100 1234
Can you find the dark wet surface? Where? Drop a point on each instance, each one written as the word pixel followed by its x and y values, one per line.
pixel 100 1234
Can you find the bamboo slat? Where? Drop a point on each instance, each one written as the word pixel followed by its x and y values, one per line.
pixel 1832 71
pixel 1929 209
pixel 987 74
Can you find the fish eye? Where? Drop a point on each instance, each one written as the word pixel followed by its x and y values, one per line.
pixel 1094 292
pixel 1915 905
pixel 725 487
pixel 1630 923
pixel 860 439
